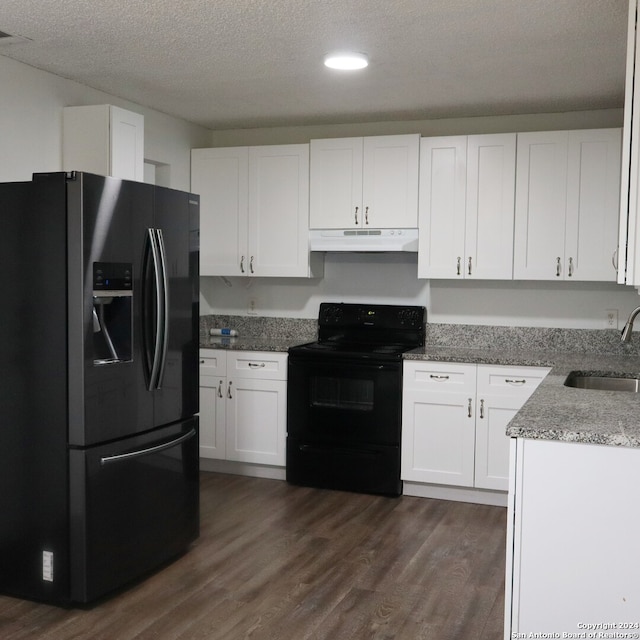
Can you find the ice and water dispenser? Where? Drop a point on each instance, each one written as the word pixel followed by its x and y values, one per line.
pixel 112 312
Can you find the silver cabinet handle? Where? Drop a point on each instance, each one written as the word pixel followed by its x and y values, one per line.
pixel 251 265
pixel 469 407
pixel 366 215
pixel 481 409
pixel 220 389
pixel 469 265
pixel 433 376
pixel 458 267
pixel 558 267
pixel 256 365
pixel 242 264
pixel 356 214
pixel 229 391
pixel 512 381
pixel 570 267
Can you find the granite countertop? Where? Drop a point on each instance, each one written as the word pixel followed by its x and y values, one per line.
pixel 556 412
pixel 250 343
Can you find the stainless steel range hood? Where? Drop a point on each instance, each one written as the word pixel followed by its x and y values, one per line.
pixel 370 240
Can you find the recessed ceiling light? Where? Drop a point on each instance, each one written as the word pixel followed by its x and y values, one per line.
pixel 346 61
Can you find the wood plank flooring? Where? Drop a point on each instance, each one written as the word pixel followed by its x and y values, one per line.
pixel 278 562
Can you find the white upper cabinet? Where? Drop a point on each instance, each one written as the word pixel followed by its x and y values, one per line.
pixel 103 139
pixel 221 177
pixel 361 183
pixel 254 210
pixel 567 205
pixel 466 207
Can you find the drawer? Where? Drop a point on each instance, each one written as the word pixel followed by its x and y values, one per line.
pixel 257 364
pixel 439 376
pixel 506 380
pixel 213 363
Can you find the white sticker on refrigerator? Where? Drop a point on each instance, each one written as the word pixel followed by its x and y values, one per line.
pixel 47 566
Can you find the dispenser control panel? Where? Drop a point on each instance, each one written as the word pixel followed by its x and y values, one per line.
pixel 112 276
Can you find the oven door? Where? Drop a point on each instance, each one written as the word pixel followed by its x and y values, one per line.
pixel 344 402
pixel 343 425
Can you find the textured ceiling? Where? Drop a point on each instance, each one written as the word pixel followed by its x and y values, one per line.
pixel 248 63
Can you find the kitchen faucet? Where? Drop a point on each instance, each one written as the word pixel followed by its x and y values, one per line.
pixel 628 327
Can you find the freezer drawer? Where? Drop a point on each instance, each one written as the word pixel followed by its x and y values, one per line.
pixel 134 505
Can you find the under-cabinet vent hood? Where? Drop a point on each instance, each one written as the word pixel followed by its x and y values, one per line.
pixel 363 240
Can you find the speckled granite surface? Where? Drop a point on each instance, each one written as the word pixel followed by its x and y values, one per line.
pixel 553 412
pixel 257 333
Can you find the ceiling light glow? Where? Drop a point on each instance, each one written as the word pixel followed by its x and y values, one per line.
pixel 346 61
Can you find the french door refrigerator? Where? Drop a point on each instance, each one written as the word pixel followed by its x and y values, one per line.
pixel 99 392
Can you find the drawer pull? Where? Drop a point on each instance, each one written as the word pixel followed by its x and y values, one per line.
pixel 469 407
pixel 256 365
pixel 202 361
pixel 433 376
pixel 512 381
pixel 229 392
pixel 220 389
pixel 481 409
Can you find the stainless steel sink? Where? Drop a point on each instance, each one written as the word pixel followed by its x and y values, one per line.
pixel 602 383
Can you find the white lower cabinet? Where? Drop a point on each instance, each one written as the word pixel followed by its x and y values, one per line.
pixel 573 550
pixel 454 418
pixel 213 385
pixel 243 406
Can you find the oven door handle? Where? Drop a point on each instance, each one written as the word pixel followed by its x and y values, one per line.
pixel 348 364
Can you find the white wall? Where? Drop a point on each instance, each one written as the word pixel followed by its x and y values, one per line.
pixel 392 278
pixel 31 103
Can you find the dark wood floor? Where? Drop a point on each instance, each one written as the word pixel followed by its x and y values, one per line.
pixel 290 563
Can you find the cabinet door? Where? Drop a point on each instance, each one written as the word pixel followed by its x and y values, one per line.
pixel 438 423
pixel 127 144
pixel 541 194
pixel 213 385
pixel 336 183
pixel 221 177
pixel 103 139
pixel 390 181
pixel 593 204
pixel 279 210
pixel 443 172
pixel 256 420
pixel 501 392
pixel 491 175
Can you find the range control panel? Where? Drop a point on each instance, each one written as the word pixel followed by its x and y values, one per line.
pixel 381 316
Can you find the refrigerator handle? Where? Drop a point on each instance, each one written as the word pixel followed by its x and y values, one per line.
pixel 164 306
pixel 157 334
pixel 148 451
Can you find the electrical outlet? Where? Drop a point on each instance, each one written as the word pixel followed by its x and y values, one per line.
pixel 612 318
pixel 252 307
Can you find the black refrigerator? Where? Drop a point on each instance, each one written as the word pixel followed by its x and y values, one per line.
pixel 99 393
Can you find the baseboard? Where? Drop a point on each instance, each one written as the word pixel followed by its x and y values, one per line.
pixel 459 494
pixel 243 468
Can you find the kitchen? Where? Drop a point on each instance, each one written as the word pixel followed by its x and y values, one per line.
pixel 34 135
